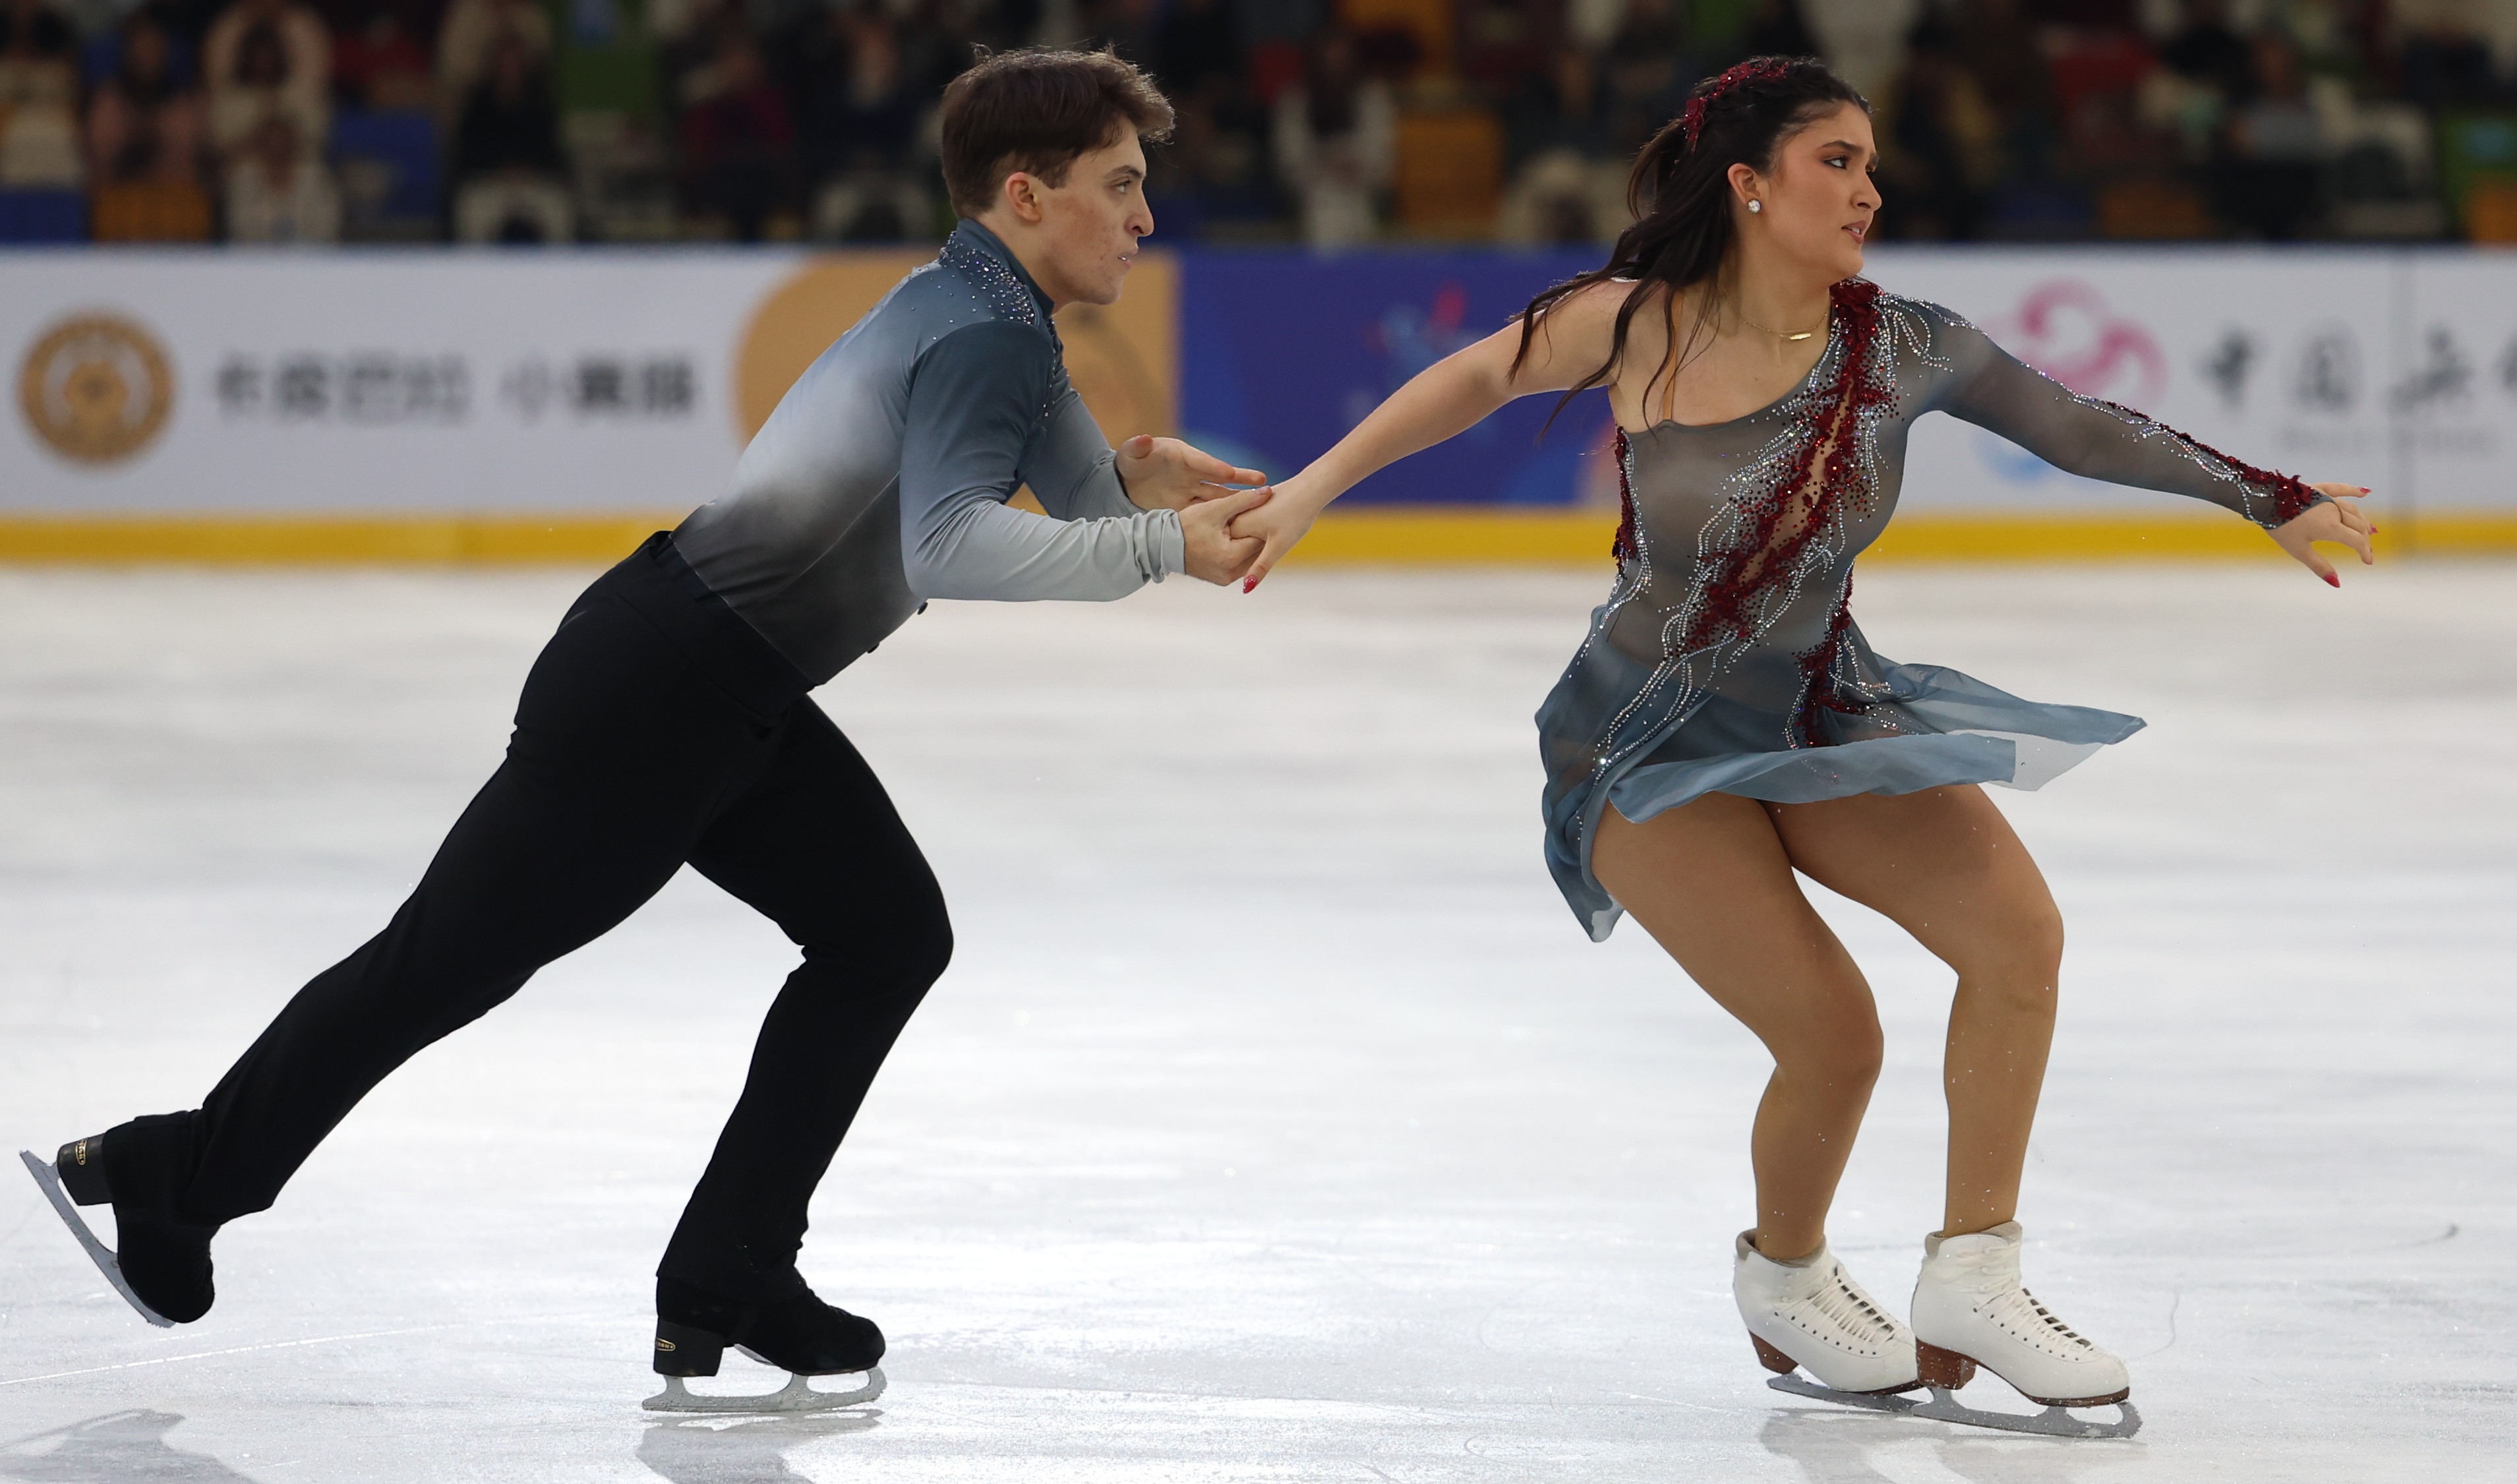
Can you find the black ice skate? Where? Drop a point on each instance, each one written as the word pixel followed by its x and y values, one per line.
pixel 802 1334
pixel 161 1263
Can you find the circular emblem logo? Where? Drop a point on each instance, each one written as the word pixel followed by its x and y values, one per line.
pixel 96 387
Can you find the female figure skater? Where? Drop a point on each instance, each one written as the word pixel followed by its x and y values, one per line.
pixel 1725 724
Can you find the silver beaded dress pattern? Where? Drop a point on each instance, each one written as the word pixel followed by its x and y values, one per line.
pixel 1726 658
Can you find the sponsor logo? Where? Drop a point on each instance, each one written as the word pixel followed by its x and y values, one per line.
pixel 2325 380
pixel 97 388
pixel 2065 328
pixel 2441 375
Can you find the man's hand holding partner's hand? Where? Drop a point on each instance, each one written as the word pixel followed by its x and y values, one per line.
pixel 1214 554
pixel 1166 474
pixel 1279 526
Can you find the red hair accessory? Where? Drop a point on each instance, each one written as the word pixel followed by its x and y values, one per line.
pixel 1745 72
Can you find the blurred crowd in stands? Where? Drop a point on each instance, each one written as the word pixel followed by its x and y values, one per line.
pixel 1332 122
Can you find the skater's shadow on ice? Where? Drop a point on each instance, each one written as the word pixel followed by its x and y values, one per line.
pixel 1837 1447
pixel 117 1448
pixel 752 1451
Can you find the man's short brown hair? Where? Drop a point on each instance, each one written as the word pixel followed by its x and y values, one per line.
pixel 1036 110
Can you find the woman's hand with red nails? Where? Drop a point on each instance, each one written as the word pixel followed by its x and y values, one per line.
pixel 2339 520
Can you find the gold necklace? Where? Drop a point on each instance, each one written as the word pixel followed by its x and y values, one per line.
pixel 1777 334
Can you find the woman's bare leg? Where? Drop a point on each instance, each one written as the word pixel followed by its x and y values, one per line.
pixel 1710 882
pixel 1945 865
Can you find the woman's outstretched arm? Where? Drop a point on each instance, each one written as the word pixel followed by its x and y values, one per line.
pixel 2098 440
pixel 1441 402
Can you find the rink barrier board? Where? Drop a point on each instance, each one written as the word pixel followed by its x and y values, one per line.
pixel 1430 536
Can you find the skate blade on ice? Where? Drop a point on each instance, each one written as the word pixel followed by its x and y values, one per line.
pixel 2051 1423
pixel 798 1396
pixel 98 1252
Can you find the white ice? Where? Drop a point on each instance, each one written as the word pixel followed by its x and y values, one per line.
pixel 1276 1122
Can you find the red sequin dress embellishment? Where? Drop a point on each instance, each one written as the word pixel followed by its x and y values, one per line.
pixel 1828 423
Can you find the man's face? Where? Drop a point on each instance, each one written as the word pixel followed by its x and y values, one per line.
pixel 1085 238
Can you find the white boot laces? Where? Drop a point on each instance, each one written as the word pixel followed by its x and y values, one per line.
pixel 2022 1315
pixel 1851 1310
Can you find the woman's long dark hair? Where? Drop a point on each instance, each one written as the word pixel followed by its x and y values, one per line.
pixel 1680 192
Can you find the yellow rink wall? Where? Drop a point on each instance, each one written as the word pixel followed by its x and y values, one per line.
pixel 1423 536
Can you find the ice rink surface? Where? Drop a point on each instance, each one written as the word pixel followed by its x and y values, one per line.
pixel 1275 1122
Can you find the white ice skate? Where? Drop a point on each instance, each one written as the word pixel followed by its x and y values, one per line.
pixel 1971 1310
pixel 1811 1316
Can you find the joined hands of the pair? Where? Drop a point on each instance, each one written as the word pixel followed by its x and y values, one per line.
pixel 1166 474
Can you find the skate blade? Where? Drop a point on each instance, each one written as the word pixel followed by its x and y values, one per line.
pixel 98 1252
pixel 798 1396
pixel 1799 1385
pixel 2051 1423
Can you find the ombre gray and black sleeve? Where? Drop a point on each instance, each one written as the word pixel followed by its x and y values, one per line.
pixel 989 410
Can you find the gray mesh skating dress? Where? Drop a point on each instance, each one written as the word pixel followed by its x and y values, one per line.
pixel 1726 659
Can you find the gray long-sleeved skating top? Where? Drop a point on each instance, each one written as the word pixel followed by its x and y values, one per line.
pixel 881 479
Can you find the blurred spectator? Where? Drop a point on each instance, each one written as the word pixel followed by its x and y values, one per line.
pixel 267 59
pixel 1649 72
pixel 509 172
pixel 861 104
pixel 1564 108
pixel 1213 175
pixel 143 122
pixel 1568 185
pixel 2448 57
pixel 1506 46
pixel 1563 196
pixel 509 124
pixel 1997 45
pixel 1777 28
pixel 2275 143
pixel 1126 27
pixel 277 188
pixel 1196 50
pixel 38 95
pixel 380 59
pixel 2205 50
pixel 1335 136
pixel 1938 141
pixel 739 144
pixel 471 31
pixel 860 109
pixel 694 32
pixel 37 45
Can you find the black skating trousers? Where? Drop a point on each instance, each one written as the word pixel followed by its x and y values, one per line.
pixel 630 757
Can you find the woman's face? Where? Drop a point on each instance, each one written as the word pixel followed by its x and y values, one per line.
pixel 1818 202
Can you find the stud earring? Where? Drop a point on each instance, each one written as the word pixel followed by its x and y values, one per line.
pixel 1756 205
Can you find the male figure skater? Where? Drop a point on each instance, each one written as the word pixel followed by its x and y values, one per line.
pixel 666 721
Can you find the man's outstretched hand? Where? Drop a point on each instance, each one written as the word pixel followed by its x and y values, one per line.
pixel 1215 555
pixel 1166 474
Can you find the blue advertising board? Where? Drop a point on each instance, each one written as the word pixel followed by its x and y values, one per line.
pixel 1282 352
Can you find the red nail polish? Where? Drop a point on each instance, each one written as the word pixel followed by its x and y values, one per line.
pixel 2330 580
